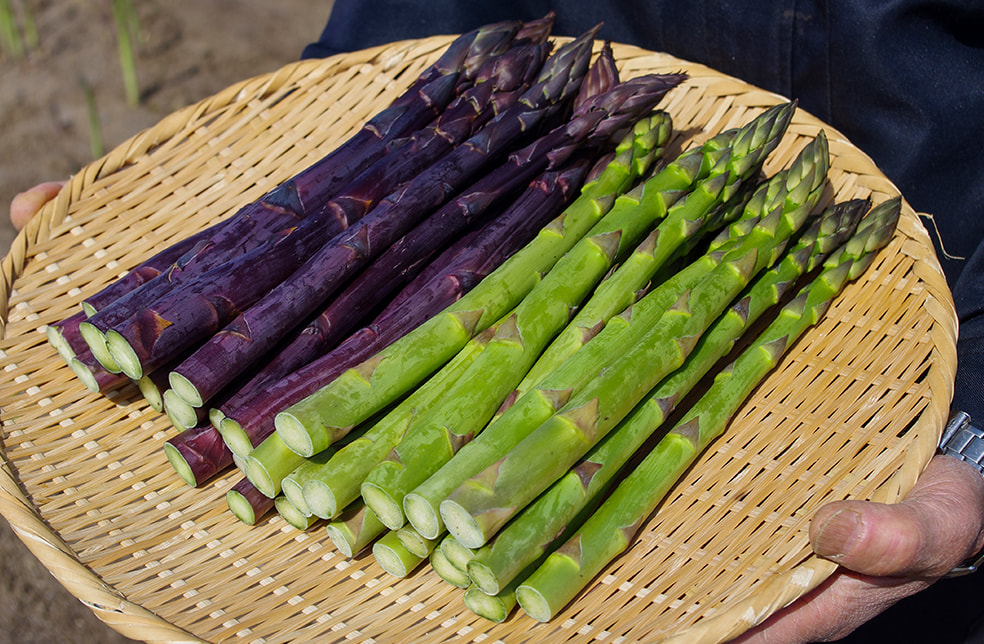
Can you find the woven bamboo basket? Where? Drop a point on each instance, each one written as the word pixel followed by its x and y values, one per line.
pixel 854 411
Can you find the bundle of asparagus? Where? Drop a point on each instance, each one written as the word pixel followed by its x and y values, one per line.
pixel 495 114
pixel 564 449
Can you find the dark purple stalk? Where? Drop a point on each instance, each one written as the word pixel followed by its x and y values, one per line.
pixel 64 336
pixel 388 272
pixel 255 331
pixel 153 386
pixel 67 340
pixel 470 260
pixel 93 375
pixel 148 269
pixel 400 264
pixel 198 454
pixel 264 219
pixel 248 504
pixel 220 294
pixel 426 98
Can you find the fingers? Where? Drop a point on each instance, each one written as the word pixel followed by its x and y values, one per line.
pixel 833 610
pixel 938 525
pixel 26 204
pixel 886 553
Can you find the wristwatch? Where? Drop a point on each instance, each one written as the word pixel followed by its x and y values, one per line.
pixel 966 442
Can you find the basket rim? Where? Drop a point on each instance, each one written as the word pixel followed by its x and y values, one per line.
pixel 129 618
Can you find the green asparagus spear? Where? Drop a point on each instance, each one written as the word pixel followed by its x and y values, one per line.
pixel 421 505
pixel 478 507
pixel 292 485
pixel 415 543
pixel 354 529
pixel 435 435
pixel 393 557
pixel 546 309
pixel 331 487
pixel 495 608
pixel 612 527
pixel 292 515
pixel 447 570
pixel 457 554
pixel 690 215
pixel 560 508
pixel 269 462
pixel 308 425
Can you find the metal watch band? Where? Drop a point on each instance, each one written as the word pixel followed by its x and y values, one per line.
pixel 966 442
pixel 963 440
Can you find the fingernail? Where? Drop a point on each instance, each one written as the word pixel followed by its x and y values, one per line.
pixel 838 534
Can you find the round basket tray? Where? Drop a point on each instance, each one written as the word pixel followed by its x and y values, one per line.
pixel 854 411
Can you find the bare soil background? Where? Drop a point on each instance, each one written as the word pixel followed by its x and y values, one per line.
pixel 190 50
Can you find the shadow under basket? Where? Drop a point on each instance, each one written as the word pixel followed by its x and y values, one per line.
pixel 855 410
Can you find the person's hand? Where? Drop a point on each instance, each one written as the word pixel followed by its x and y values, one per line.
pixel 885 553
pixel 26 204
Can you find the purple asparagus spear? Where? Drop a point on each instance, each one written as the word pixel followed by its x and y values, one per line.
pixel 265 218
pixel 421 102
pixel 202 305
pixel 250 412
pixel 173 325
pixel 211 367
pixel 198 454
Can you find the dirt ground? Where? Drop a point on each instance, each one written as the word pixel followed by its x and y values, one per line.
pixel 190 50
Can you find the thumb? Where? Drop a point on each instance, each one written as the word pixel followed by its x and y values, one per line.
pixel 937 525
pixel 26 204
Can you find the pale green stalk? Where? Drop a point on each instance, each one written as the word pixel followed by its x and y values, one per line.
pixel 393 557
pixel 364 390
pixel 355 529
pixel 481 505
pixel 613 526
pixel 561 508
pixel 333 486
